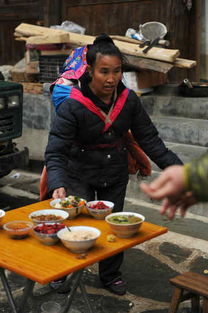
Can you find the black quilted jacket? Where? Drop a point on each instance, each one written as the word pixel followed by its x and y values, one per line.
pixel 76 132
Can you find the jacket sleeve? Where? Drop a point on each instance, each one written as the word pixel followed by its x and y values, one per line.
pixel 148 138
pixel 61 137
pixel 196 174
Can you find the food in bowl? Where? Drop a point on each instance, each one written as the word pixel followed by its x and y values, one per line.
pixel 18 229
pixel 71 204
pixel 124 219
pixel 125 224
pixel 99 209
pixel 47 232
pixel 79 239
pixel 48 216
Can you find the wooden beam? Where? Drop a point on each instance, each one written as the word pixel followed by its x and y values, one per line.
pixel 148 64
pixel 168 55
pixel 184 63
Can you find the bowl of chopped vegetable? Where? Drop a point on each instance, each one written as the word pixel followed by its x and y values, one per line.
pixel 47 232
pixel 73 205
pixel 125 224
pixel 48 216
pixel 79 239
pixel 18 229
pixel 99 209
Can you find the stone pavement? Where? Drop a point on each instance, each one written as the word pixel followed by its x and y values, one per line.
pixel 147 267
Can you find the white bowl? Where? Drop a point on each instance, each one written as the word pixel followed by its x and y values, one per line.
pixel 46 238
pixel 126 230
pixel 59 213
pixel 78 246
pixel 73 212
pixel 99 214
pixel 2 214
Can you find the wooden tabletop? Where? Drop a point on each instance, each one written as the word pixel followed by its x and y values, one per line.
pixel 30 258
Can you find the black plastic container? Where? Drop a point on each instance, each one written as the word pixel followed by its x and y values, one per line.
pixel 198 90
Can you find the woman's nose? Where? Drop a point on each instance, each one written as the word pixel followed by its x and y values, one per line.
pixel 110 78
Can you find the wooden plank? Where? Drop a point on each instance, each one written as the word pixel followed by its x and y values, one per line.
pixel 161 42
pixel 168 55
pixel 148 64
pixel 48 39
pixel 184 63
pixel 131 50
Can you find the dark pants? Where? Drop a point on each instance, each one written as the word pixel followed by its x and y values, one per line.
pixel 108 268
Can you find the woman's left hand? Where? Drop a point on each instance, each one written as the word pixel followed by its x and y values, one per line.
pixel 59 193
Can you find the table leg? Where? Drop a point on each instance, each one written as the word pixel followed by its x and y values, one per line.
pixel 76 278
pixel 27 292
pixel 8 290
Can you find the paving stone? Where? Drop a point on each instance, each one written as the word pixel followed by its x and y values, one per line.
pixel 146 276
pixel 174 252
pixel 199 265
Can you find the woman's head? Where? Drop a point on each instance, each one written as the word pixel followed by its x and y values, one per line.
pixel 105 63
pixel 102 45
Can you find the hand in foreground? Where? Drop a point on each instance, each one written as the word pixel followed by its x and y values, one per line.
pixel 59 193
pixel 170 186
pixel 170 207
pixel 170 183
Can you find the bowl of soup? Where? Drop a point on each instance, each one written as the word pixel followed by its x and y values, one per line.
pixel 125 224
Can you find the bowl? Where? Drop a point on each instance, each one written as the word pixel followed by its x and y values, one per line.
pixel 72 210
pixel 18 229
pixel 2 214
pixel 124 229
pixel 47 232
pixel 77 244
pixel 48 216
pixel 98 208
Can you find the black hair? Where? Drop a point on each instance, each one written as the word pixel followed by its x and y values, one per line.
pixel 104 45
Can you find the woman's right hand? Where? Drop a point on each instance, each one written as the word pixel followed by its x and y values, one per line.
pixel 59 193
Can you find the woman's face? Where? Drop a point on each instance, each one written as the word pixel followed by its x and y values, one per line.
pixel 106 74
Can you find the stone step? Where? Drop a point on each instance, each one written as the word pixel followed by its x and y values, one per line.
pixel 177 106
pixel 182 130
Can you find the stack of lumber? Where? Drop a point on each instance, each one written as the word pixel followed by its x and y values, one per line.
pixel 157 58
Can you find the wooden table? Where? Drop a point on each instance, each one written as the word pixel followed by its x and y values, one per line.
pixel 40 263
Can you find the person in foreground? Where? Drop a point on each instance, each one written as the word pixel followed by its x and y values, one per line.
pixel 86 154
pixel 180 186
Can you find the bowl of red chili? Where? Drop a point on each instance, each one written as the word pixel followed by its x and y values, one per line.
pixel 99 209
pixel 47 232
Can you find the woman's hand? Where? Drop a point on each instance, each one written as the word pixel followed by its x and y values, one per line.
pixel 59 193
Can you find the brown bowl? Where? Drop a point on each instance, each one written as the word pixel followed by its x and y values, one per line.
pixel 125 230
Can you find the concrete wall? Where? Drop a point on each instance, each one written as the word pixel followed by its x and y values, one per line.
pixel 37 115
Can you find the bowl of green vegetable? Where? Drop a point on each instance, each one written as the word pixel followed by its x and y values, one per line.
pixel 125 224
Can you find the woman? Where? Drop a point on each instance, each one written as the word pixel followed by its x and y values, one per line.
pixel 86 154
